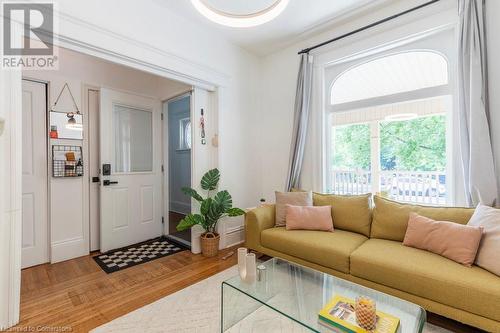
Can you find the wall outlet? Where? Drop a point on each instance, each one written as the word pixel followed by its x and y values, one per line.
pixel 2 124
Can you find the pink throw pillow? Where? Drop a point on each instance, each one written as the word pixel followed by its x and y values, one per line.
pixel 451 240
pixel 309 218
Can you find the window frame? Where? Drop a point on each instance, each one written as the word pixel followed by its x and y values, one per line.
pixel 441 42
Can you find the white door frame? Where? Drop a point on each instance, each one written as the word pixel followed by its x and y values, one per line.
pixel 188 71
pixel 86 154
pixel 166 156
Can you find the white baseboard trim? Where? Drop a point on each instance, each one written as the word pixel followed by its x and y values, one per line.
pixel 68 249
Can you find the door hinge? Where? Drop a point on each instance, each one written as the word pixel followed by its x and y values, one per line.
pixel 161 116
pixel 162 168
pixel 162 220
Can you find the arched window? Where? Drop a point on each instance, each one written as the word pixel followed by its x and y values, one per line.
pixel 389 75
pixel 388 127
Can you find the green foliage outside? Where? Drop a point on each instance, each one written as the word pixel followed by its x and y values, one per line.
pixel 351 147
pixel 412 145
pixel 212 208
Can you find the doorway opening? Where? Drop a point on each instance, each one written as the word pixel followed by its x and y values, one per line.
pixel 178 142
pixel 89 114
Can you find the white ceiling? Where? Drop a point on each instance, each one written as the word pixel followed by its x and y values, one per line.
pixel 298 18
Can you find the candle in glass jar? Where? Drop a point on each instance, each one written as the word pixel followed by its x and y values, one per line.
pixel 366 313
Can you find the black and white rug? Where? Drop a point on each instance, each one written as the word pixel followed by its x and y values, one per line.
pixel 136 254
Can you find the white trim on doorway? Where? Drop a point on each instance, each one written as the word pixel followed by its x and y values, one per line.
pixel 103 45
pixel 94 244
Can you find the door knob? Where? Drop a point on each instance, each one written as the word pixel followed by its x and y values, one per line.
pixel 107 182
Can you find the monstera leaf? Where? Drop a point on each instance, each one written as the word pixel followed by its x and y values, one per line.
pixel 213 208
pixel 189 221
pixel 192 193
pixel 224 200
pixel 210 180
pixel 206 206
pixel 235 212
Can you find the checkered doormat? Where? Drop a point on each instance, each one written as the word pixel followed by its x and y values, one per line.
pixel 136 254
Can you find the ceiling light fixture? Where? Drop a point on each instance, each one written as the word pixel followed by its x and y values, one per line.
pixel 240 20
pixel 401 117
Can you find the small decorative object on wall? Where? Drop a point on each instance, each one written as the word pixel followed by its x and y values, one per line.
pixel 215 140
pixel 366 312
pixel 68 120
pixel 2 124
pixel 67 161
pixel 53 132
pixel 202 128
pixel 212 209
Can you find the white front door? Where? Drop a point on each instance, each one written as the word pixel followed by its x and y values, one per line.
pixel 130 154
pixel 35 204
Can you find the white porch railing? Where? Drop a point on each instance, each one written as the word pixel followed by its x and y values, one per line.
pixel 427 187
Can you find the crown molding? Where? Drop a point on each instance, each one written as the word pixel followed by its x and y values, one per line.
pixel 173 66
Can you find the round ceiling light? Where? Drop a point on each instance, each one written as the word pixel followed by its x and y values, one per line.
pixel 240 20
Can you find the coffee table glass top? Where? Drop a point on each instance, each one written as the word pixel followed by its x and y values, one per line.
pixel 299 293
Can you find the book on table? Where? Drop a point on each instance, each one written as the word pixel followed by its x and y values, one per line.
pixel 339 315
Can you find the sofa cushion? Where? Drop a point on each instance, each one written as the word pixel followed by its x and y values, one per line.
pixel 349 212
pixel 290 198
pixel 309 218
pixel 451 240
pixel 390 218
pixel 489 249
pixel 329 249
pixel 428 275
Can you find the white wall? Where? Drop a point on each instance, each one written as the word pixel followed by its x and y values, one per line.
pixel 279 73
pixel 174 46
pixel 492 29
pixel 69 221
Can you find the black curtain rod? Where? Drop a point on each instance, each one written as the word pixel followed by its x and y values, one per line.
pixel 368 26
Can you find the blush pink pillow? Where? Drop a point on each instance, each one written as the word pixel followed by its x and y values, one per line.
pixel 309 218
pixel 451 240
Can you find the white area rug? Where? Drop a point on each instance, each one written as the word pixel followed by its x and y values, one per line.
pixel 197 309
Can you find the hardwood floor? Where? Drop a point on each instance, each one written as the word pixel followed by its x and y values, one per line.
pixel 77 296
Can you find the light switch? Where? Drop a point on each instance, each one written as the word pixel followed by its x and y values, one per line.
pixel 2 123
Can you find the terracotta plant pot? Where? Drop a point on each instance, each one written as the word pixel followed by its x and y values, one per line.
pixel 209 244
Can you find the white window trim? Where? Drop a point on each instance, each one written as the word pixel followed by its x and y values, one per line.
pixel 413 95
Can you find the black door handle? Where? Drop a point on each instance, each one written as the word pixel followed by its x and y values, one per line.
pixel 107 182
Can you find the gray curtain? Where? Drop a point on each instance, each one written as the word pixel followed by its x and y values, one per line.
pixel 300 121
pixel 474 120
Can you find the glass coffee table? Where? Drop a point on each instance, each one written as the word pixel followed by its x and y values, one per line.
pixel 290 296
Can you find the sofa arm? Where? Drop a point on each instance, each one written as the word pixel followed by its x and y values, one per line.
pixel 256 221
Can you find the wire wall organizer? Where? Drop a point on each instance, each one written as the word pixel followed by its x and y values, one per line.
pixel 67 161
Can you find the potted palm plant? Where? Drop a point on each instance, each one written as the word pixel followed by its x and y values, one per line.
pixel 212 208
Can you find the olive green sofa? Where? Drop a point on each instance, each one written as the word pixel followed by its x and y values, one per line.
pixel 366 248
